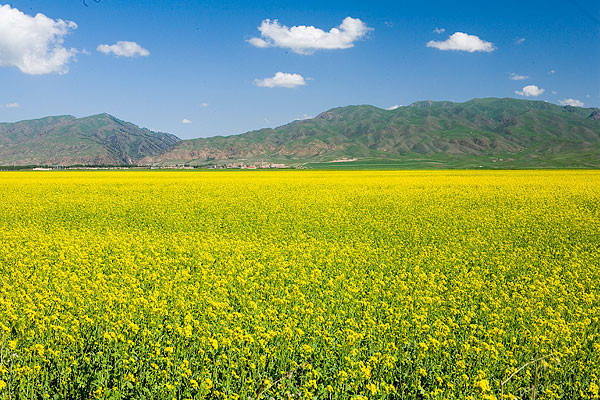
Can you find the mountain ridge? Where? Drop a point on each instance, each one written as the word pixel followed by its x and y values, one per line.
pixel 491 131
pixel 99 139
pixel 482 132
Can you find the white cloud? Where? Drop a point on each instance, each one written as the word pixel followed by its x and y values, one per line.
pixel 439 30
pixel 554 92
pixel 302 118
pixel 34 44
pixel 551 72
pixel 516 77
pixel 186 121
pixel 123 48
pixel 282 79
pixel 12 105
pixel 460 41
pixel 258 42
pixel 204 105
pixel 530 90
pixel 571 102
pixel 395 106
pixel 520 40
pixel 307 39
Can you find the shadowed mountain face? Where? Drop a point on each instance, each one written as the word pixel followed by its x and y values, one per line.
pixel 65 140
pixel 497 133
pixel 490 132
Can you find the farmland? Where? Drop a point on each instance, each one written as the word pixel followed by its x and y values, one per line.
pixel 297 284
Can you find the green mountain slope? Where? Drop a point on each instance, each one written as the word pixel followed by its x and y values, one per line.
pixel 490 132
pixel 65 140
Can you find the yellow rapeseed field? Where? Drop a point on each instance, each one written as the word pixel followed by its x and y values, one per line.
pixel 296 284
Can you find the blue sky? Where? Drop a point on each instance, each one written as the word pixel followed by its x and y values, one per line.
pixel 195 60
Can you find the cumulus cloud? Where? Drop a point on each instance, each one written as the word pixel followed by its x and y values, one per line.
pixel 520 40
pixel 186 121
pixel 395 106
pixel 439 30
pixel 460 41
pixel 204 105
pixel 571 102
pixel 34 44
pixel 123 48
pixel 258 42
pixel 516 77
pixel 551 72
pixel 282 79
pixel 12 105
pixel 307 39
pixel 530 90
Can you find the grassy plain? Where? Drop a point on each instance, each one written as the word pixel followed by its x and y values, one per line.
pixel 299 284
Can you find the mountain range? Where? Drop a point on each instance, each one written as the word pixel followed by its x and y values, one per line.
pixel 65 140
pixel 489 132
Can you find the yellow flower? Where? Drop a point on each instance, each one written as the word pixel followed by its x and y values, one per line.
pixel 345 280
pixel 207 384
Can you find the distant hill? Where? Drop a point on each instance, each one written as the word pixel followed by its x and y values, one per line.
pixel 65 140
pixel 490 132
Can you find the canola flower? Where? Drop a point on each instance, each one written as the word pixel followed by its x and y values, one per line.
pixel 296 284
